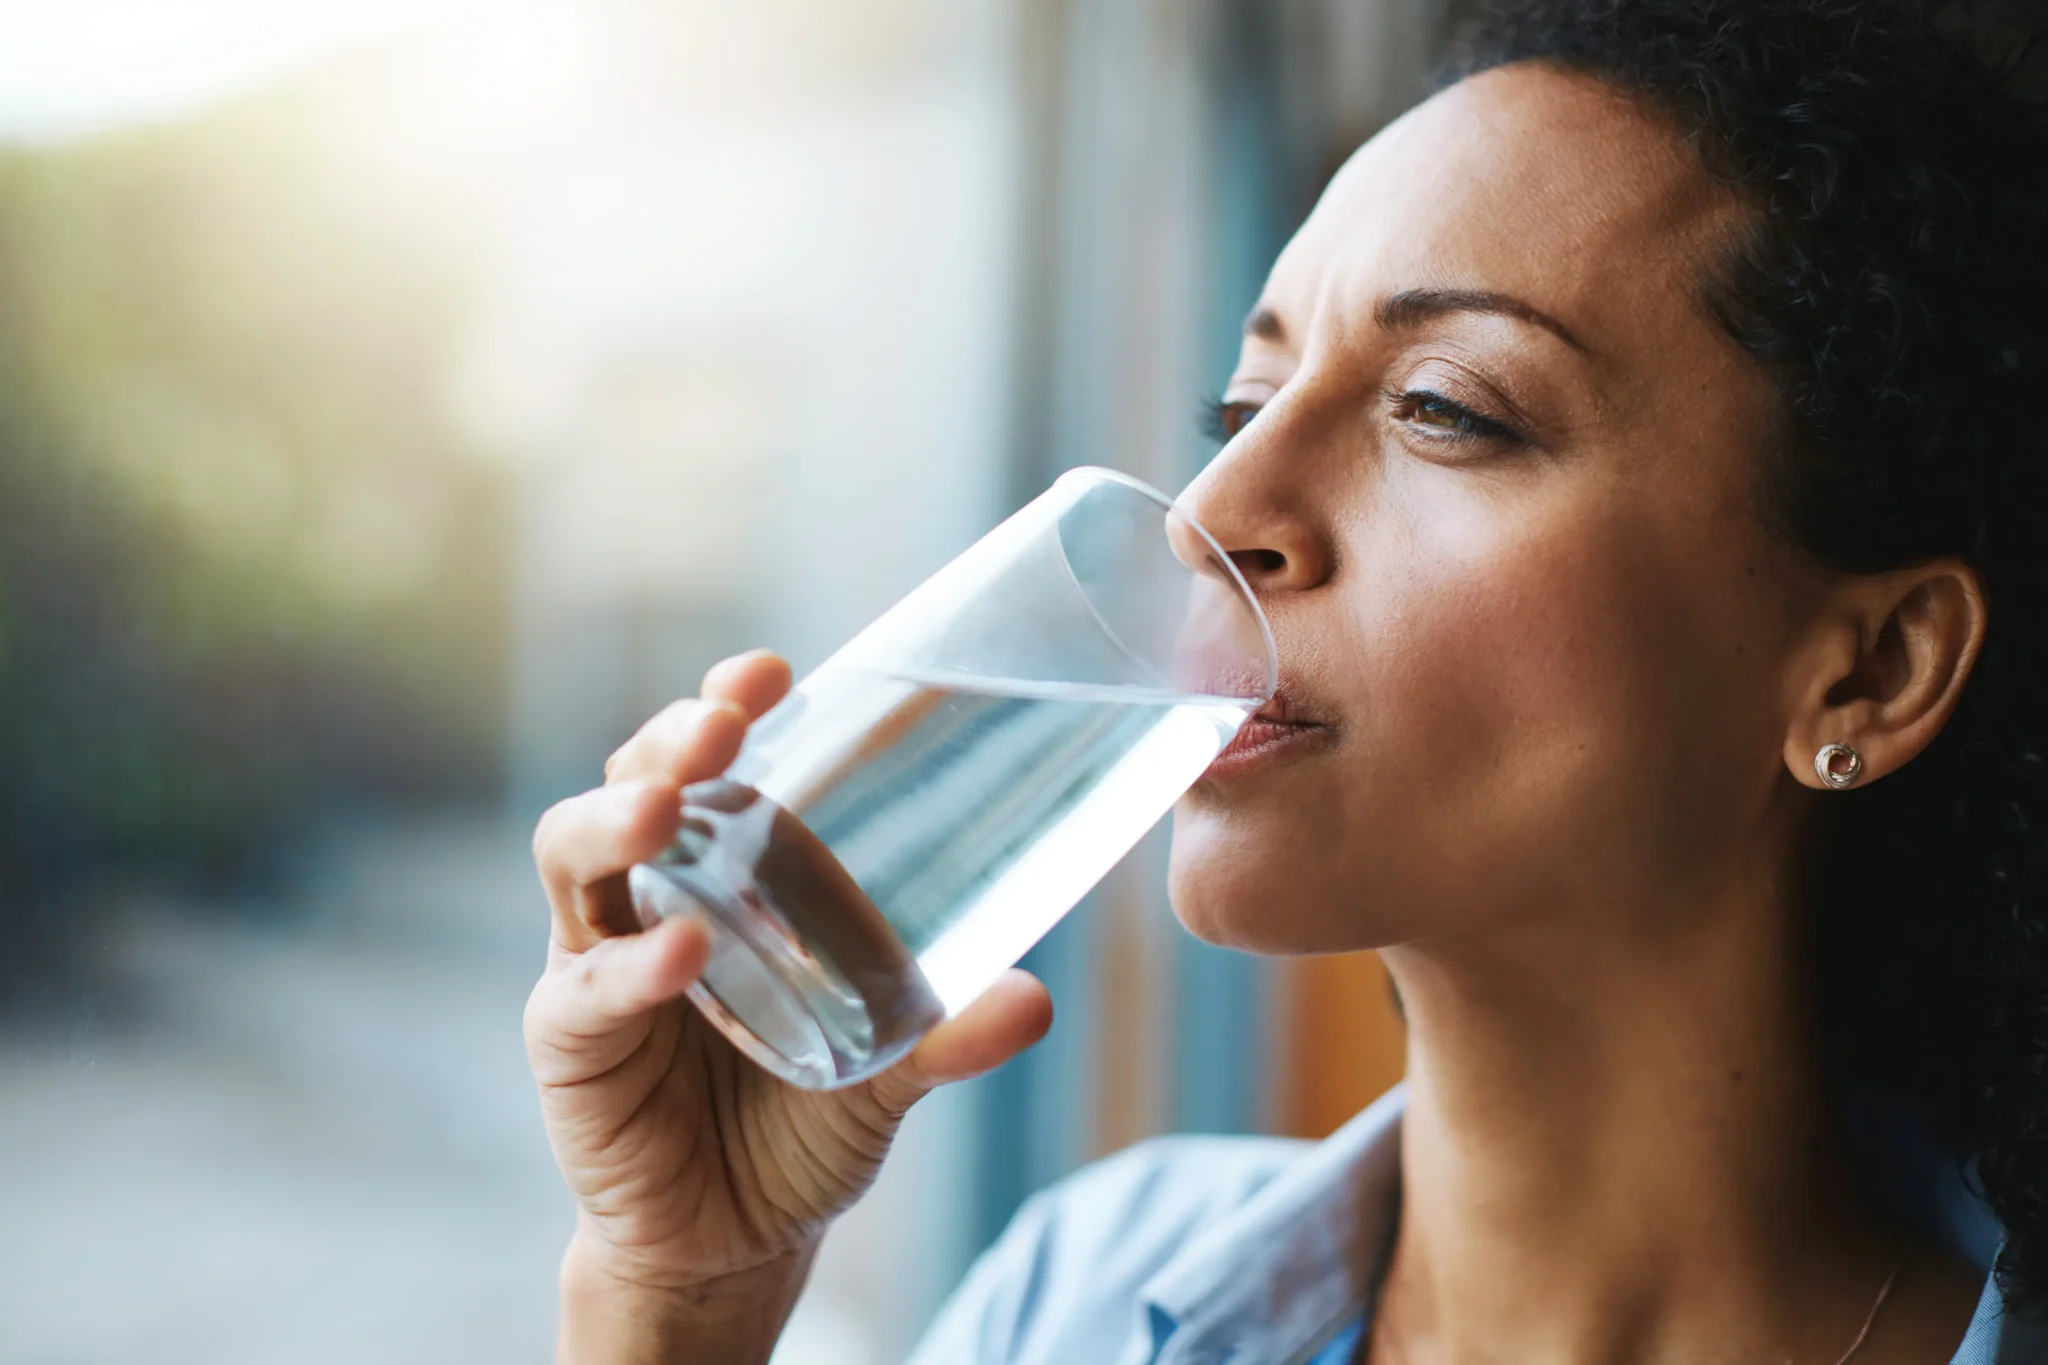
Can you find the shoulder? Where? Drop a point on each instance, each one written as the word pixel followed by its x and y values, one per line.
pixel 1067 1272
pixel 1122 1217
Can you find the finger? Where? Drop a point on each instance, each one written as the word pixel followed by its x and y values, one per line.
pixel 686 741
pixel 753 681
pixel 588 1014
pixel 583 847
pixel 1009 1016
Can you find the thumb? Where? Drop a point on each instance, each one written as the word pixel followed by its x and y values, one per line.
pixel 1008 1017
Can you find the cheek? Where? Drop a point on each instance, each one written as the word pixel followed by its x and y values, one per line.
pixel 1467 663
pixel 1505 700
pixel 1521 693
pixel 1503 643
pixel 1565 685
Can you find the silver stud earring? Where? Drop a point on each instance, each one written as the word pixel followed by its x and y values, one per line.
pixel 1825 765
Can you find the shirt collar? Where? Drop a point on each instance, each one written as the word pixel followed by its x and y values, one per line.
pixel 1290 1267
pixel 1295 1264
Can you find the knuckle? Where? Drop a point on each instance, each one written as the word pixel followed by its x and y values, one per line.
pixel 672 728
pixel 678 714
pixel 547 834
pixel 723 669
pixel 895 1091
pixel 643 799
pixel 536 1020
pixel 661 732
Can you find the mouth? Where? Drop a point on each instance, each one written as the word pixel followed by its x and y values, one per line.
pixel 1281 727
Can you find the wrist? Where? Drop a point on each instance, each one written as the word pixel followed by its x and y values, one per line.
pixel 616 1312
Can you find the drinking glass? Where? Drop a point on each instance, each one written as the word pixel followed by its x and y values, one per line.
pixel 920 810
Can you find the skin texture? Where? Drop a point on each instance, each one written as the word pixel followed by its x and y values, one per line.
pixel 703 1183
pixel 1552 704
pixel 1568 692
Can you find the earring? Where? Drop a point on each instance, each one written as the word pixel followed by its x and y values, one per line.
pixel 1844 776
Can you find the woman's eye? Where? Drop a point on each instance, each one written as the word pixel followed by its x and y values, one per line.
pixel 1422 408
pixel 1435 412
pixel 1222 420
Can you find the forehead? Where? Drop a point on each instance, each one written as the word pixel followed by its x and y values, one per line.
pixel 1527 180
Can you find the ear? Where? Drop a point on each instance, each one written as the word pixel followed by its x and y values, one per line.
pixel 1884 665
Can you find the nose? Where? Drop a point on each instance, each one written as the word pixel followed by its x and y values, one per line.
pixel 1261 519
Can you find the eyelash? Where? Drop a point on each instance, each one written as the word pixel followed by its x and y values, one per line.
pixel 1468 425
pixel 1220 420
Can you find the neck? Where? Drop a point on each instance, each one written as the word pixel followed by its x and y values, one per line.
pixel 1616 1148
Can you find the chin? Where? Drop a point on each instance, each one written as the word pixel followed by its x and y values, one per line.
pixel 1234 888
pixel 1283 887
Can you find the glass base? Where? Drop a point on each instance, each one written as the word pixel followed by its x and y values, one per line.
pixel 813 1022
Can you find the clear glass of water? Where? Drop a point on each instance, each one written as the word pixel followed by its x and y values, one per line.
pixel 920 810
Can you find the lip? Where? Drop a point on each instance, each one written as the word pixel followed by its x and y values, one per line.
pixel 1281 727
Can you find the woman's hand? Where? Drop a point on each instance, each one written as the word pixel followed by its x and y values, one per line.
pixel 703 1181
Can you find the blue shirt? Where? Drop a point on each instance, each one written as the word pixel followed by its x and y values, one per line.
pixel 1267 1251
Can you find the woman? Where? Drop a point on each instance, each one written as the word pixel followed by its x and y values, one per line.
pixel 1639 457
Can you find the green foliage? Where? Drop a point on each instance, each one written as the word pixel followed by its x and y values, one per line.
pixel 248 576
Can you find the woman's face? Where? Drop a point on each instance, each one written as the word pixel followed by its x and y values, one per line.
pixel 1494 486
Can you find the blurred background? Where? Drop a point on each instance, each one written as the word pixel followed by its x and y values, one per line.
pixel 400 400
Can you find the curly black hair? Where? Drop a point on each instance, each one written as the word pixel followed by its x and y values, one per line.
pixel 1894 282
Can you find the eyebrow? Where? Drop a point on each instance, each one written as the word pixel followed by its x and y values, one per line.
pixel 1412 307
pixel 1265 324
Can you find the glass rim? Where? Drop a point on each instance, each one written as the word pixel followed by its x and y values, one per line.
pixel 1172 508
